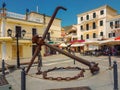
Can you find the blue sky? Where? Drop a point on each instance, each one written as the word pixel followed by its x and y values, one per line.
pixel 69 17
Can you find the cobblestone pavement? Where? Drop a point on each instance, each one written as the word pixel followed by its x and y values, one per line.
pixel 102 81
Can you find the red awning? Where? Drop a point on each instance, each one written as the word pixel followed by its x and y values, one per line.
pixel 117 38
pixel 79 41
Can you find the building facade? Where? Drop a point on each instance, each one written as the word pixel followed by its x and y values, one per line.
pixel 113 27
pixel 92 25
pixel 25 26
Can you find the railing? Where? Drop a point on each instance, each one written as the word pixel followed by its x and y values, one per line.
pixel 23 17
pixel 15 15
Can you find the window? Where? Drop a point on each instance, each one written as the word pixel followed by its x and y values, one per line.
pixel 101 12
pixel 87 26
pixel 94 15
pixel 94 35
pixel 109 35
pixel 113 35
pixel 87 36
pixel 101 33
pixel 81 37
pixel 111 25
pixel 18 31
pixel 81 18
pixel 116 24
pixel 87 17
pixel 94 25
pixel 81 27
pixel 34 31
pixel 101 23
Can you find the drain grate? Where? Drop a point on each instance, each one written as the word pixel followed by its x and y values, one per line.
pixel 74 88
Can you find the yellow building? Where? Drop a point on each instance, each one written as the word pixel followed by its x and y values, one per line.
pixel 71 33
pixel 25 26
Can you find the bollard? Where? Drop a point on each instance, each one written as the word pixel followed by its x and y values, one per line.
pixel 23 79
pixel 74 59
pixel 109 60
pixel 115 75
pixel 3 67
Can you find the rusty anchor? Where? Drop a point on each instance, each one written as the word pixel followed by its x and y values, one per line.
pixel 40 41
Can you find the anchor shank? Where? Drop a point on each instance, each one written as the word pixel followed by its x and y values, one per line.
pixel 51 20
pixel 33 58
pixel 69 55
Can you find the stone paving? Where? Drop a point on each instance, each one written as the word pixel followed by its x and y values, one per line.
pixel 102 81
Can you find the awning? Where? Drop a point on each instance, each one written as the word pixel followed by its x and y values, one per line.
pixel 75 41
pixel 92 42
pixel 117 38
pixel 63 45
pixel 109 42
pixel 77 45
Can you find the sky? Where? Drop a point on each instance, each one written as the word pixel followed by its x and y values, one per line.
pixel 69 17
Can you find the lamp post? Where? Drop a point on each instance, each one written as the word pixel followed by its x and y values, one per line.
pixel 17 43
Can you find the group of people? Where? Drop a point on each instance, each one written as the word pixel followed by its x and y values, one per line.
pixel 107 50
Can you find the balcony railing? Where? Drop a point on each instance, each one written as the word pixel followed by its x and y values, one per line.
pixel 15 15
pixel 23 17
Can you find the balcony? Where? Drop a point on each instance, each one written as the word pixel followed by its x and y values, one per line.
pixel 23 17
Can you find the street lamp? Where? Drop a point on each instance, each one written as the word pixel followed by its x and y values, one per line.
pixel 17 43
pixel 9 31
pixel 23 32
